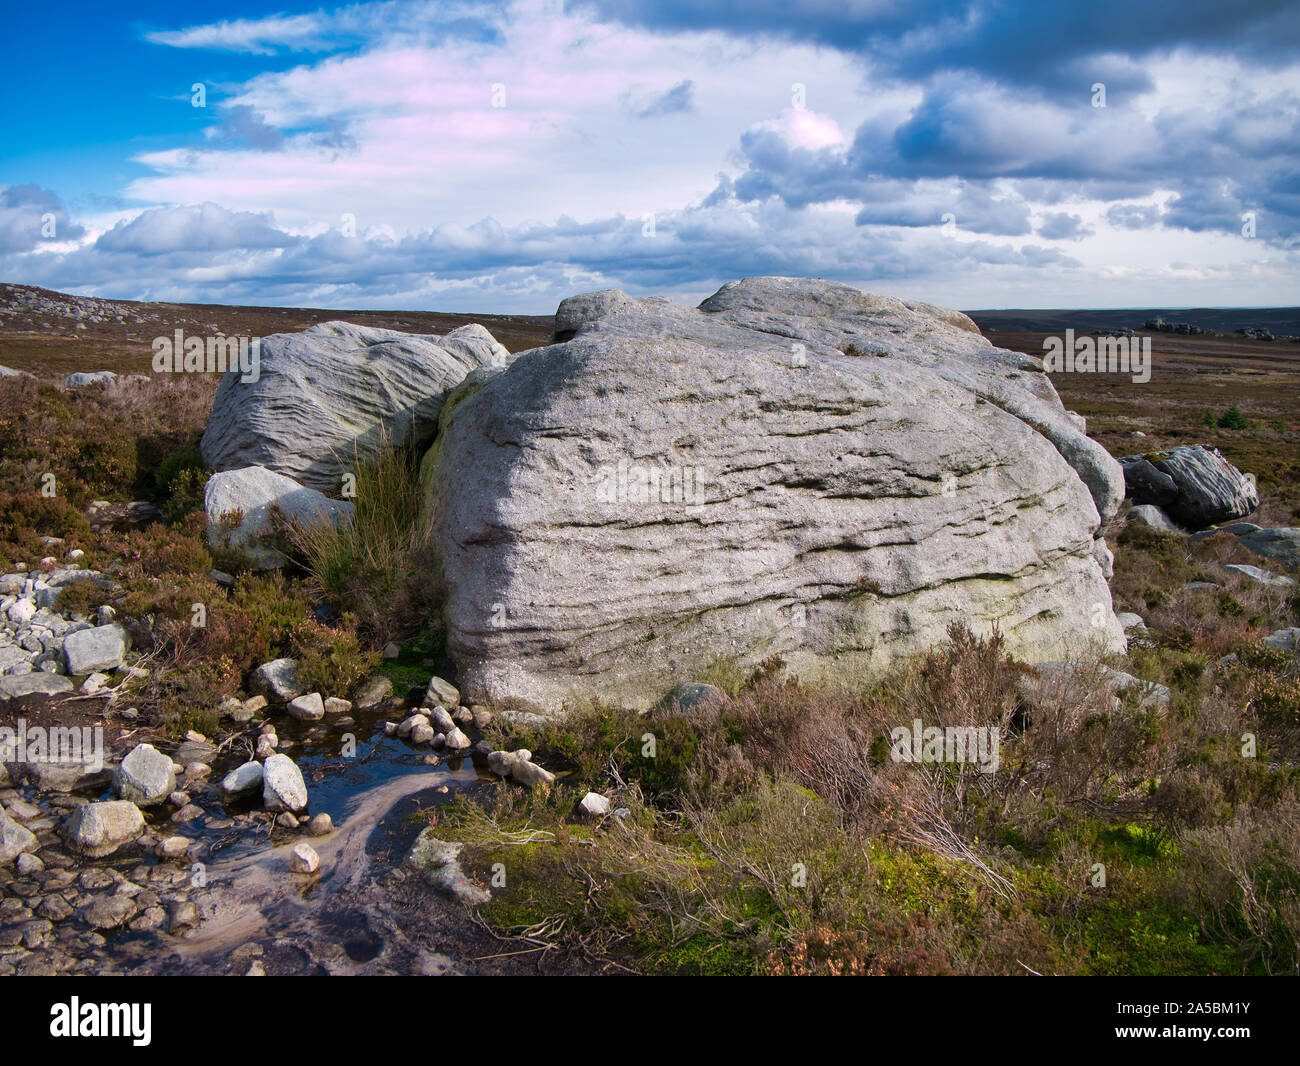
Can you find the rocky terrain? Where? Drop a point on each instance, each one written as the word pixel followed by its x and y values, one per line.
pixel 381 643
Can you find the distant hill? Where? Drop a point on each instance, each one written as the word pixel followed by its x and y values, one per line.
pixel 1281 321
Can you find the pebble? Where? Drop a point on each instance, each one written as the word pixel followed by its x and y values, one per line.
pixel 303 859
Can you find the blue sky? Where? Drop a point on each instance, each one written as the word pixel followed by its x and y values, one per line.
pixel 500 156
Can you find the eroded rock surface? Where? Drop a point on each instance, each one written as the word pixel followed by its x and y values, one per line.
pixel 794 468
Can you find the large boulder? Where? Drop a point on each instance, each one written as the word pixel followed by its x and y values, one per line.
pixel 240 505
pixel 794 468
pixel 333 391
pixel 1196 486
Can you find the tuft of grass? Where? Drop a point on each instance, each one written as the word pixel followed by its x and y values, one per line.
pixel 379 567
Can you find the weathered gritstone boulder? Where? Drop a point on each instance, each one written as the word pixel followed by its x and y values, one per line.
pixel 795 468
pixel 1196 486
pixel 335 389
pixel 253 494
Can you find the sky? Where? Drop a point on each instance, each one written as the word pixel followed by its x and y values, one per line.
pixel 499 156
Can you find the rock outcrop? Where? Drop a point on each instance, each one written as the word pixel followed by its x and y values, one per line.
pixel 329 393
pixel 1194 485
pixel 794 468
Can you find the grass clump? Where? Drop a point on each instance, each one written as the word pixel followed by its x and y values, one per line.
pixel 379 567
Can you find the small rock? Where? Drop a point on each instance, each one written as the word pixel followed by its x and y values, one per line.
pixel 456 740
pixel 277 680
pixel 530 775
pixel 145 776
pixel 392 651
pixel 1261 577
pixel 181 915
pixel 109 912
pixel 283 788
pixel 308 708
pixel 242 780
pixel 95 649
pixel 335 705
pixel 100 829
pixel 321 825
pixel 27 865
pixel 373 692
pixel 172 847
pixel 303 859
pixel 443 692
pixel 594 805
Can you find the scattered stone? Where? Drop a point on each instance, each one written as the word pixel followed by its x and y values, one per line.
pixel 594 805
pixel 40 682
pixel 685 698
pixel 94 683
pixel 1148 514
pixel 303 859
pixel 320 825
pixel 277 680
pixel 456 740
pixel 109 912
pixel 283 788
pixel 335 705
pixel 1281 545
pixel 392 651
pixel 1130 621
pixel 94 649
pixel 438 861
pixel 308 708
pixel 1261 577
pixel 443 692
pixel 285 820
pixel 242 781
pixel 99 829
pixel 27 864
pixel 145 776
pixel 372 693
pixel 182 914
pixel 172 847
pixel 441 718
pixel 1284 639
pixel 14 839
pixel 408 725
pixel 530 775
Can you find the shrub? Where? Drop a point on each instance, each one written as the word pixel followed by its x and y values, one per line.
pixel 1232 418
pixel 331 661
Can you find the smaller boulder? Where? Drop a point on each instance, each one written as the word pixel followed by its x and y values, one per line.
pixel 145 776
